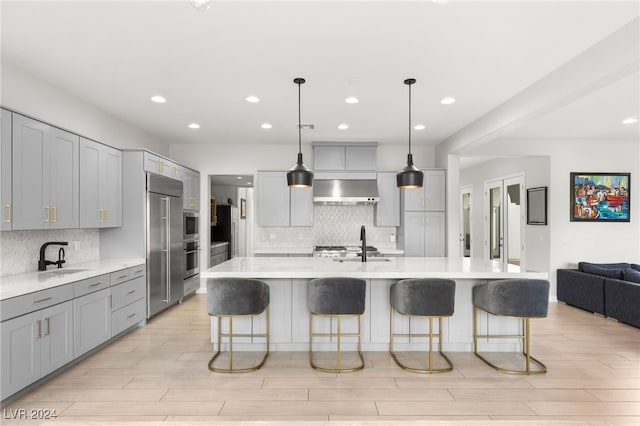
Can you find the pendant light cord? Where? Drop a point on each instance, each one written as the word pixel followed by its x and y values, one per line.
pixel 410 119
pixel 299 123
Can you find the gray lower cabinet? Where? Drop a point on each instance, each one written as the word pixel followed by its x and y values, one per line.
pixel 218 254
pixel 35 345
pixel 91 320
pixel 128 305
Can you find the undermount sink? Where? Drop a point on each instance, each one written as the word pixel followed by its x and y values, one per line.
pixel 60 272
pixel 357 259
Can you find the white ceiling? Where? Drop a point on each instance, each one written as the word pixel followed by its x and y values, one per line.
pixel 117 54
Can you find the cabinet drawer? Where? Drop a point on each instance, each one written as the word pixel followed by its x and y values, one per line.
pixel 120 276
pixel 128 292
pixel 191 284
pixel 128 316
pixel 16 306
pixel 137 271
pixel 90 285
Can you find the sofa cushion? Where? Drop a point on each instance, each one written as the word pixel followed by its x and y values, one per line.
pixel 631 275
pixel 607 271
pixel 621 265
pixel 635 266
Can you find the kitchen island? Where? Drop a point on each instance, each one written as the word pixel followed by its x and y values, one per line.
pixel 288 280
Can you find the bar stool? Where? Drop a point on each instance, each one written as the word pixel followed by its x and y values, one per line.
pixel 519 298
pixel 430 298
pixel 336 298
pixel 237 297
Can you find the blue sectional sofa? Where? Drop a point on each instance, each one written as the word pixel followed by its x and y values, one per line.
pixel 609 289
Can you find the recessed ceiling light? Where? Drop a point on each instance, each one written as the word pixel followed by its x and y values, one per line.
pixel 352 100
pixel 266 125
pixel 343 126
pixel 239 177
pixel 194 126
pixel 158 99
pixel 447 101
pixel 252 99
pixel 630 120
pixel 249 183
pixel 419 127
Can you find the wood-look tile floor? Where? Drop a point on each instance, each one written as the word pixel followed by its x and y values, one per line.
pixel 159 373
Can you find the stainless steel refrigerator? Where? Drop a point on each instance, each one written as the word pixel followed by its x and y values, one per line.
pixel 165 254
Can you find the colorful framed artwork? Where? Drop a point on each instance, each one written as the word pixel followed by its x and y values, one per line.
pixel 537 206
pixel 600 197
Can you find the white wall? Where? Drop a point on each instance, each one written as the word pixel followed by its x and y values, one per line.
pixel 571 242
pixel 28 95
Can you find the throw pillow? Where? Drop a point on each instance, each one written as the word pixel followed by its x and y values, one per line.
pixel 621 266
pixel 632 275
pixel 607 272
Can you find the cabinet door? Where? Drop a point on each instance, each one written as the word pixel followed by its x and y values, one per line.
pixel 5 171
pixel 301 206
pixel 414 234
pixel 91 321
pixel 91 214
pixel 360 158
pixel 328 158
pixel 195 189
pixel 30 182
pixel 413 199
pixel 64 180
pixel 434 190
pixel 273 199
pixel 110 186
pixel 20 352
pixel 387 211
pixel 57 337
pixel 434 228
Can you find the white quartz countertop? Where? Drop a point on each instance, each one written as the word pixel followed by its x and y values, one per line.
pixel 20 284
pixel 284 250
pixel 393 268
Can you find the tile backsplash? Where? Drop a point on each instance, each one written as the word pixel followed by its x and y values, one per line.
pixel 19 250
pixel 333 225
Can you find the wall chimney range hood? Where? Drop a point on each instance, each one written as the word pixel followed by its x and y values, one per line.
pixel 345 192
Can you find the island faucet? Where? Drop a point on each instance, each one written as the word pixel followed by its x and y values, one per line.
pixel 363 238
pixel 42 262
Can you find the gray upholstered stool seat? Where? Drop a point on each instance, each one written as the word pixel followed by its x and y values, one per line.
pixel 231 297
pixel 336 298
pixel 430 297
pixel 520 298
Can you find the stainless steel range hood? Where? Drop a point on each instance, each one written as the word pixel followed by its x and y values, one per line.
pixel 345 192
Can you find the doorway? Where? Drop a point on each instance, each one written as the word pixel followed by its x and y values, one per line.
pixel 466 221
pixel 504 222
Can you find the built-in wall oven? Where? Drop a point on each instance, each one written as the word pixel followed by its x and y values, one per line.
pixel 191 258
pixel 191 226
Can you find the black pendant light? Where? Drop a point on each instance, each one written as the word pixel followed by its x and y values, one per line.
pixel 300 176
pixel 410 176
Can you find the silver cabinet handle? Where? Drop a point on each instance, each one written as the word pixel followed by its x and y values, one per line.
pixel 42 300
pixel 131 316
pixel 131 292
pixel 95 284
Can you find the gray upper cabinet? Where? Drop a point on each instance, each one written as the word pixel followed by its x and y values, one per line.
pixel 273 199
pixel 336 156
pixel 100 185
pixel 301 206
pixel 5 171
pixel 191 187
pixel 431 197
pixel 387 211
pixel 44 176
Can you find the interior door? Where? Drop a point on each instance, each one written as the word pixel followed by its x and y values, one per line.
pixel 466 221
pixel 504 224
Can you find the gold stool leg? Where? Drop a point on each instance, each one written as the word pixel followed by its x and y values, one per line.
pixel 430 368
pixel 525 337
pixel 339 335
